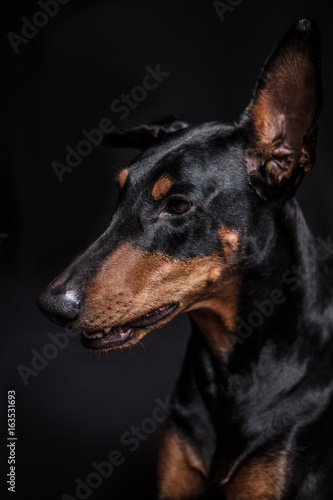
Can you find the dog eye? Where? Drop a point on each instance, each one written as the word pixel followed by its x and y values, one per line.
pixel 178 206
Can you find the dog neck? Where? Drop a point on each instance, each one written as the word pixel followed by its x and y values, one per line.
pixel 281 275
pixel 248 360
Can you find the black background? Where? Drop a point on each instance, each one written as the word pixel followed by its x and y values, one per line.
pixel 62 81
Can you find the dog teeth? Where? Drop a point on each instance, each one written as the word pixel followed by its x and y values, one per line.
pixel 99 335
pixel 106 330
pixel 96 335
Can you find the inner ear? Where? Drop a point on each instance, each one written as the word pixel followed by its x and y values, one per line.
pixel 144 136
pixel 284 110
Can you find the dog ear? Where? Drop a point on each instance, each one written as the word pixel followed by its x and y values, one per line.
pixel 144 136
pixel 283 113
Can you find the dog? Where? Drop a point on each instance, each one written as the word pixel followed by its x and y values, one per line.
pixel 207 223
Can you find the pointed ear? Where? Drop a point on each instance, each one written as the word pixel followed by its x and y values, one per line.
pixel 144 136
pixel 283 114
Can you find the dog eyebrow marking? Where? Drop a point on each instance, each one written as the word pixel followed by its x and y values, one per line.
pixel 161 187
pixel 122 177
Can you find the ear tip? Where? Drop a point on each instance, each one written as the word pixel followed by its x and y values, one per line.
pixel 306 25
pixel 304 35
pixel 308 28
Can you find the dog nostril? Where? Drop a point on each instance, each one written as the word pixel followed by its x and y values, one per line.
pixel 60 307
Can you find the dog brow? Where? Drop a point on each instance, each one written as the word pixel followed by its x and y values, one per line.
pixel 161 187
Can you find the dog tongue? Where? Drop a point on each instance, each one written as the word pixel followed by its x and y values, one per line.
pixel 119 331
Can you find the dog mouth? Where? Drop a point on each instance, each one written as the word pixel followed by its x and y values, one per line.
pixel 120 334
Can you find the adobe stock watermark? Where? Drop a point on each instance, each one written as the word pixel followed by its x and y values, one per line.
pixel 130 441
pixel 292 278
pixel 30 28
pixel 122 107
pixel 40 359
pixel 225 7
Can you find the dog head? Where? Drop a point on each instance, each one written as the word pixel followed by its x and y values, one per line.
pixel 191 206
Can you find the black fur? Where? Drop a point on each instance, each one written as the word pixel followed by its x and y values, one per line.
pixel 275 386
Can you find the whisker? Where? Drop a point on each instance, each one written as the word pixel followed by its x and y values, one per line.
pixel 143 347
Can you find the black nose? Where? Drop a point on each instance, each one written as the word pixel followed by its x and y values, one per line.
pixel 61 307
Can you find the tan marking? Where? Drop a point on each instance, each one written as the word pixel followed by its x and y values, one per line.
pixel 181 473
pixel 283 93
pixel 263 477
pixel 229 239
pixel 161 187
pixel 286 103
pixel 122 177
pixel 131 283
pixel 216 318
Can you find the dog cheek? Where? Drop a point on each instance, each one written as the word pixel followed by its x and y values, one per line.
pixel 230 241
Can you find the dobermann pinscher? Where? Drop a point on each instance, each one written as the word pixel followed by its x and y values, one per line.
pixel 206 223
